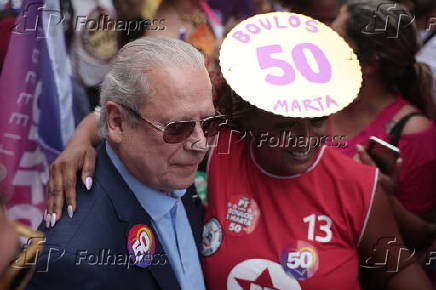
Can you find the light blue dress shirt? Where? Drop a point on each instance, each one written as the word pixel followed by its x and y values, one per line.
pixel 170 222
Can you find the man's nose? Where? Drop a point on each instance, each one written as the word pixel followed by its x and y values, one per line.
pixel 197 141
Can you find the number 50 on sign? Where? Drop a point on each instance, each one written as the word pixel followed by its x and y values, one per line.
pixel 291 65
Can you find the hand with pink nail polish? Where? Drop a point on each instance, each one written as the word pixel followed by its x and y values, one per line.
pixel 79 155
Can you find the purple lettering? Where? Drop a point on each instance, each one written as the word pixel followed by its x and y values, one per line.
pixel 242 37
pixel 253 28
pixel 329 100
pixel 324 73
pixel 312 25
pixel 281 103
pixel 319 103
pixel 295 106
pixel 276 20
pixel 294 20
pixel 308 106
pixel 265 59
pixel 267 25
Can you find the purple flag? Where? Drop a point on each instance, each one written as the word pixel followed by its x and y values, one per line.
pixel 35 112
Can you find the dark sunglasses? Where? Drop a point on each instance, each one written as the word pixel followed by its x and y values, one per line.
pixel 179 131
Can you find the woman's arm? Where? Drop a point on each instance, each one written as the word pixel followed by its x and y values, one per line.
pixel 79 154
pixel 416 231
pixel 383 244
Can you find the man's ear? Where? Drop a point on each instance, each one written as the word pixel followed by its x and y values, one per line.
pixel 115 122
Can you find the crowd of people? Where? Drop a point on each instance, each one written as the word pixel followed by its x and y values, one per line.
pixel 288 217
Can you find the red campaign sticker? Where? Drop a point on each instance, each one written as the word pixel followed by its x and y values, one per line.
pixel 141 245
pixel 242 215
pixel 300 260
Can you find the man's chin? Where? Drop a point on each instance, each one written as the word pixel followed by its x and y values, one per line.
pixel 180 179
pixel 181 186
pixel 183 183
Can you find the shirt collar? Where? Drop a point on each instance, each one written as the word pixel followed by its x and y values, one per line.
pixel 154 202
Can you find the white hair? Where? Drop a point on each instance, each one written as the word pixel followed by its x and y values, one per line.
pixel 127 82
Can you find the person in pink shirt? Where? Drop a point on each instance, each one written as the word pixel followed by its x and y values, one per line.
pixel 395 101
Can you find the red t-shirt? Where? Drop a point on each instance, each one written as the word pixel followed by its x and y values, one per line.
pixel 417 183
pixel 272 232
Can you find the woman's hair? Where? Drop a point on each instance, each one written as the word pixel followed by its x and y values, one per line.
pixel 385 32
pixel 226 101
pixel 232 105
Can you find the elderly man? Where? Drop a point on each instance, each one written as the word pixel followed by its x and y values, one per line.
pixel 137 228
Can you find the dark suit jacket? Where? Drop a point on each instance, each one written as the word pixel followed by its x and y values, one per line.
pixel 76 252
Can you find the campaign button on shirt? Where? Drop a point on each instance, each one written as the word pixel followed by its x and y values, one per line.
pixel 212 237
pixel 300 260
pixel 242 215
pixel 141 245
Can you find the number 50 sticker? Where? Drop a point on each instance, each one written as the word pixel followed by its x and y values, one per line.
pixel 300 260
pixel 291 65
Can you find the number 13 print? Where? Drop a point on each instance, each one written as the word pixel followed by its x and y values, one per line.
pixel 324 222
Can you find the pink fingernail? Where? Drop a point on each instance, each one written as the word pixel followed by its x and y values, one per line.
pixel 70 211
pixel 53 219
pixel 88 183
pixel 47 221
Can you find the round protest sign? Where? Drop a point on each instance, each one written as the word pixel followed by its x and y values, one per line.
pixel 291 65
